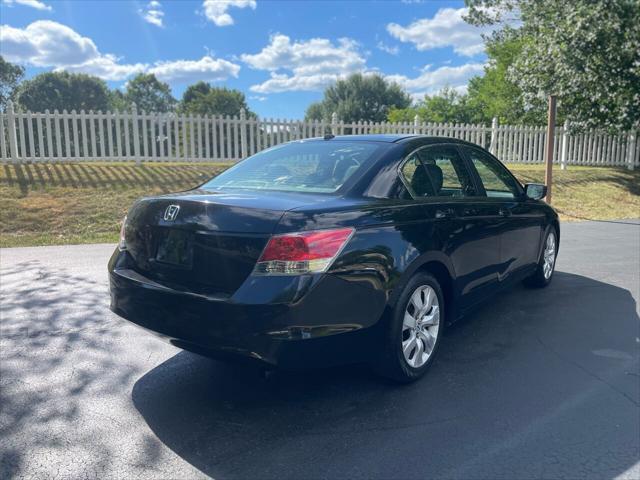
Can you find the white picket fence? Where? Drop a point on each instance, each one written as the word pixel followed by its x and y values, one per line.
pixel 143 137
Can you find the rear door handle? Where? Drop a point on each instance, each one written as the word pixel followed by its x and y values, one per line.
pixel 445 213
pixel 470 212
pixel 504 212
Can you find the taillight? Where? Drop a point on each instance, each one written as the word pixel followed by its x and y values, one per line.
pixel 304 252
pixel 122 244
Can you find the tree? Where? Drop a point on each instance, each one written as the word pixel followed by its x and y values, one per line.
pixel 315 111
pixel 446 106
pixel 118 102
pixel 195 91
pixel 495 94
pixel 587 53
pixel 10 76
pixel 203 99
pixel 63 90
pixel 149 94
pixel 361 97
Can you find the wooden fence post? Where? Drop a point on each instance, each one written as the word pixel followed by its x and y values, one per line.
pixel 11 130
pixel 136 136
pixel 548 158
pixel 565 146
pixel 631 150
pixel 334 123
pixel 493 146
pixel 243 133
pixel 416 124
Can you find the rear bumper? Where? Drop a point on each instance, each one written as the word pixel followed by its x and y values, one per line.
pixel 289 322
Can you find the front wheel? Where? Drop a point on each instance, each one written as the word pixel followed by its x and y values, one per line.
pixel 414 331
pixel 547 263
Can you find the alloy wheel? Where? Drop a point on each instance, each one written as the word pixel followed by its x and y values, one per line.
pixel 549 256
pixel 420 326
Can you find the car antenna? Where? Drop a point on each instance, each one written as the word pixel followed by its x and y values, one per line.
pixel 329 136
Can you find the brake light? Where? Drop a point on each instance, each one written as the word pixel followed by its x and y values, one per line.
pixel 304 252
pixel 122 244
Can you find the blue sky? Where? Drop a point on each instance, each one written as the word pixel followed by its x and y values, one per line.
pixel 281 54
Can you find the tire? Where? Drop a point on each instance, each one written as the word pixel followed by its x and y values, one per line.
pixel 392 362
pixel 544 273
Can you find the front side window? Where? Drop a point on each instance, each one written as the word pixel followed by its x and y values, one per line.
pixel 497 181
pixel 436 171
pixel 313 167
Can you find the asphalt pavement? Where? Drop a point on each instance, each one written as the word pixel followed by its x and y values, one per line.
pixel 536 384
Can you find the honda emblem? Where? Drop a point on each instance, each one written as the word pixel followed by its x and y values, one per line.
pixel 171 212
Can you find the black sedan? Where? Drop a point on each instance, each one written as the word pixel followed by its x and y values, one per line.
pixel 333 250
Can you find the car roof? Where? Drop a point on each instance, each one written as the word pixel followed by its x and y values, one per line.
pixel 391 138
pixel 381 137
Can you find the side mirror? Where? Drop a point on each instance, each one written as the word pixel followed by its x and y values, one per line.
pixel 536 191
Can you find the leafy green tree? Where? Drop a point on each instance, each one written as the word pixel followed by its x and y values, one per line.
pixel 118 102
pixel 10 76
pixel 495 94
pixel 195 91
pixel 315 111
pixel 149 94
pixel 586 52
pixel 448 106
pixel 63 90
pixel 361 97
pixel 203 99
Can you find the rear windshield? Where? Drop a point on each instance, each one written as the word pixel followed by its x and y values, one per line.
pixel 314 167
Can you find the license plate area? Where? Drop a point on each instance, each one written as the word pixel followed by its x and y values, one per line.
pixel 175 248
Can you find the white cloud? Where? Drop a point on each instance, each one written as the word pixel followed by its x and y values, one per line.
pixel 445 29
pixel 187 71
pixel 45 43
pixel 105 67
pixel 50 44
pixel 432 81
pixel 313 64
pixel 216 10
pixel 294 83
pixel 259 98
pixel 390 49
pixel 152 13
pixel 37 4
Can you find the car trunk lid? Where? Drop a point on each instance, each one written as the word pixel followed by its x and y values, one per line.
pixel 201 241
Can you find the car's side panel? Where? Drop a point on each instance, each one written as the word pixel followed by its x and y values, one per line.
pixel 393 238
pixel 520 221
pixel 476 256
pixel 521 239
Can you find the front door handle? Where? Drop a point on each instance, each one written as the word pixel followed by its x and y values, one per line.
pixel 445 213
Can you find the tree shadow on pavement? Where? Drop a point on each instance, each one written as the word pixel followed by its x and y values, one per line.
pixel 537 384
pixel 61 370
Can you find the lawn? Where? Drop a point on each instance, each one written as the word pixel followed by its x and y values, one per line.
pixel 48 204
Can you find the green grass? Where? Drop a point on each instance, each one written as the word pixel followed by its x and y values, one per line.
pixel 49 204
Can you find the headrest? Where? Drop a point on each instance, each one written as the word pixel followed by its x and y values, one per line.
pixel 421 184
pixel 435 173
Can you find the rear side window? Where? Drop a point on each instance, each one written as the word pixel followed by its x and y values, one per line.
pixel 314 167
pixel 497 181
pixel 436 171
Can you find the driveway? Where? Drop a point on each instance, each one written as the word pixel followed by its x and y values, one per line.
pixel 537 384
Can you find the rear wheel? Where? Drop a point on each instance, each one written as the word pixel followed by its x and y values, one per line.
pixel 547 263
pixel 414 331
